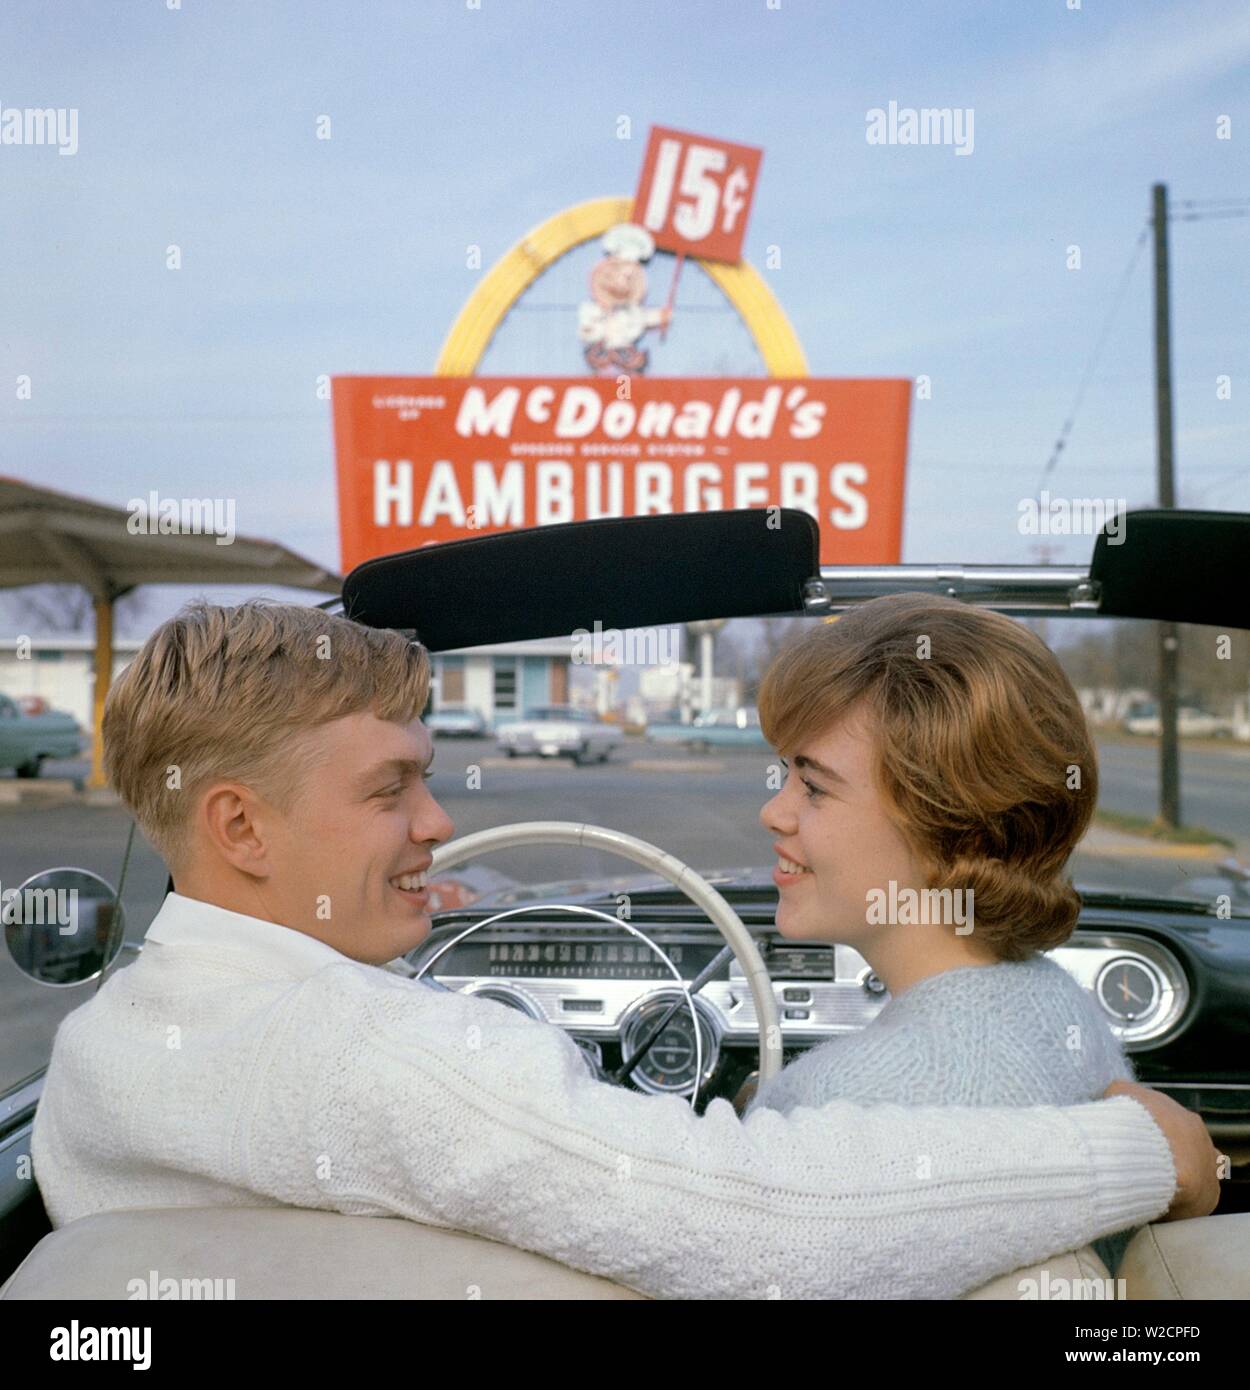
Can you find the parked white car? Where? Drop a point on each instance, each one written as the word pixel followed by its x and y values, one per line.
pixel 457 723
pixel 560 731
pixel 1143 718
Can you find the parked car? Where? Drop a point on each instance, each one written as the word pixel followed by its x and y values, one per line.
pixel 27 739
pixel 560 731
pixel 719 728
pixel 457 723
pixel 1191 722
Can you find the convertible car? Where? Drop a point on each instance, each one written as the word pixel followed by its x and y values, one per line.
pixel 678 996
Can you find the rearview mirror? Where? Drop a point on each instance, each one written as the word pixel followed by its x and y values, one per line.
pixel 63 926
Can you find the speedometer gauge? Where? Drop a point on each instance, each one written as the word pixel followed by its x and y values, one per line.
pixel 669 1066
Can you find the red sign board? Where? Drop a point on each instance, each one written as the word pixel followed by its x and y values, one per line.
pixel 429 459
pixel 694 195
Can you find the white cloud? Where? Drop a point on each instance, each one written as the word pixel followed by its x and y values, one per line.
pixel 1133 70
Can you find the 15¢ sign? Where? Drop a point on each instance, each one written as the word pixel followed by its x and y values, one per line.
pixel 695 193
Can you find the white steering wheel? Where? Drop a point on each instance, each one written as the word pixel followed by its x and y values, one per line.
pixel 681 876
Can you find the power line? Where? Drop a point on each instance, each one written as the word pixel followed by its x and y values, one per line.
pixel 1240 474
pixel 1121 290
pixel 1214 215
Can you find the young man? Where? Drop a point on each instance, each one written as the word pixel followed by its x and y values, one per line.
pixel 257 1053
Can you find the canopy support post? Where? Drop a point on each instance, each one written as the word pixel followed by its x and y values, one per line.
pixel 103 679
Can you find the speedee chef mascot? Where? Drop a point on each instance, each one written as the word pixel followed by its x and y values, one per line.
pixel 612 321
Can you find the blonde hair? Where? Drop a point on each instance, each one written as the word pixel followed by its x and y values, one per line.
pixel 224 693
pixel 978 738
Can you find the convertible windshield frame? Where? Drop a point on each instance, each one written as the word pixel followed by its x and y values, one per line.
pixel 1026 590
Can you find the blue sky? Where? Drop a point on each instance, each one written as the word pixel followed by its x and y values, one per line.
pixel 454 126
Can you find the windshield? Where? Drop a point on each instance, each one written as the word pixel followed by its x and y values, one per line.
pixel 699 797
pixel 694 782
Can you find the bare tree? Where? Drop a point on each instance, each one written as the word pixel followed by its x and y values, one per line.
pixel 772 634
pixel 1215 665
pixel 61 608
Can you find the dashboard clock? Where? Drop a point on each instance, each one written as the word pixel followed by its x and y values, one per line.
pixel 1128 989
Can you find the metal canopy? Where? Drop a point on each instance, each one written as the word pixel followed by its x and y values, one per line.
pixel 49 537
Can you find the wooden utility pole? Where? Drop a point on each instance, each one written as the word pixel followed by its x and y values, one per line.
pixel 1169 641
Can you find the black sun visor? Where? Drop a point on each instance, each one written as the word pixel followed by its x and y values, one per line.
pixel 1176 566
pixel 621 572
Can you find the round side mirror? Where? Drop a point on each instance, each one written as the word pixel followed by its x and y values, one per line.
pixel 63 926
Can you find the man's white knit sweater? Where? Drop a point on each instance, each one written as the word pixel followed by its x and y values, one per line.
pixel 240 1063
pixel 1015 1033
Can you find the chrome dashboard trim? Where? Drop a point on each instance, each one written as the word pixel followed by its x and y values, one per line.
pixel 1087 955
pixel 524 1002
pixel 843 1003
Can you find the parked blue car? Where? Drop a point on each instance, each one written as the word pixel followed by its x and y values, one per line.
pixel 27 739
pixel 721 728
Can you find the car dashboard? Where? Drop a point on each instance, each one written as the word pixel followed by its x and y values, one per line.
pixel 1174 986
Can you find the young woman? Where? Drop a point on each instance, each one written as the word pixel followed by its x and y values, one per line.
pixel 940 775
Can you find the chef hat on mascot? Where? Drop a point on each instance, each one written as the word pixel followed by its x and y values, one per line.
pixel 629 242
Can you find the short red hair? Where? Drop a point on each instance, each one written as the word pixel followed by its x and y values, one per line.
pixel 982 749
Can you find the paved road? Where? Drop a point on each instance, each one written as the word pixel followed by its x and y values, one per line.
pixel 702 809
pixel 1215 784
pixel 1215 778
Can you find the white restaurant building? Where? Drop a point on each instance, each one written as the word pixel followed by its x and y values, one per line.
pixel 502 682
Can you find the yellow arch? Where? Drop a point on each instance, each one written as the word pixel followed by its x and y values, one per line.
pixel 510 276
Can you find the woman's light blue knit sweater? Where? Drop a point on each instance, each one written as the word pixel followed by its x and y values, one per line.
pixel 1014 1033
